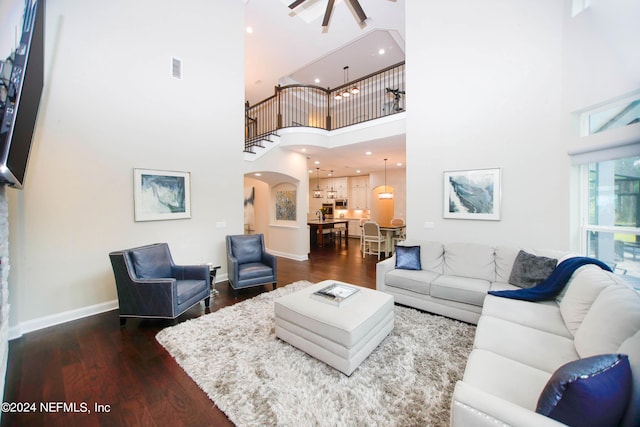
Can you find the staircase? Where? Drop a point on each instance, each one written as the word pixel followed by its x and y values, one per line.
pixel 256 147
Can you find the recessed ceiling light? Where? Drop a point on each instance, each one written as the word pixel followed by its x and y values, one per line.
pixel 317 80
pixel 317 162
pixel 249 30
pixel 368 153
pixel 398 164
pixel 304 150
pixel 381 52
pixel 358 171
pixel 257 174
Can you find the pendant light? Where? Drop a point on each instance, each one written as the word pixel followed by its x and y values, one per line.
pixel 354 90
pixel 346 92
pixel 332 194
pixel 317 193
pixel 385 194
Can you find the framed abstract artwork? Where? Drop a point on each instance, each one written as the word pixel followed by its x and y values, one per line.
pixel 286 205
pixel 161 195
pixel 249 210
pixel 472 194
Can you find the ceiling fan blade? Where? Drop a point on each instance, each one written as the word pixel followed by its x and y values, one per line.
pixel 327 13
pixel 356 6
pixel 296 4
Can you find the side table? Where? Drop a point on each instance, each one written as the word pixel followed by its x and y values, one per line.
pixel 213 270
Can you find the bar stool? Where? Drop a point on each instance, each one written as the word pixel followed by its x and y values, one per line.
pixel 339 230
pixel 328 235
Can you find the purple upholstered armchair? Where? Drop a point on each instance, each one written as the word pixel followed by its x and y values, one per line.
pixel 150 285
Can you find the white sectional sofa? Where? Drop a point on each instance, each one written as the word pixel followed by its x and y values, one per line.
pixel 454 278
pixel 519 345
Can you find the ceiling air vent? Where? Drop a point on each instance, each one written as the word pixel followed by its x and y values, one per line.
pixel 176 68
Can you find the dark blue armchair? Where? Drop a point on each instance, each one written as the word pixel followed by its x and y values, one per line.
pixel 248 264
pixel 149 284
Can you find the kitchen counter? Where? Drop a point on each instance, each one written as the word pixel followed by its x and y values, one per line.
pixel 318 226
pixel 327 221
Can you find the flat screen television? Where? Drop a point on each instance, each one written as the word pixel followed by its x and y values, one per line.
pixel 22 90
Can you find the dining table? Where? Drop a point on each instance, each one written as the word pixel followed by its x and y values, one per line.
pixel 316 226
pixel 389 231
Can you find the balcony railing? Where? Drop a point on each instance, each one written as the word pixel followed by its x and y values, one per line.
pixel 379 94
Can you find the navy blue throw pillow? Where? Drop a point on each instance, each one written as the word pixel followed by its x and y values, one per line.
pixel 408 258
pixel 593 391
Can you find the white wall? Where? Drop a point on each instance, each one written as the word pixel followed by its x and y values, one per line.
pixel 484 80
pixel 601 65
pixel 110 105
pixel 601 59
pixel 285 238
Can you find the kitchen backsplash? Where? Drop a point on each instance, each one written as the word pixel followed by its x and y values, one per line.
pixel 351 213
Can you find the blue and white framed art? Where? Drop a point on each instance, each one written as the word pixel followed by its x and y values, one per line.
pixel 161 195
pixel 472 194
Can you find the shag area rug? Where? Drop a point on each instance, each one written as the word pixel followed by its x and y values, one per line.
pixel 258 380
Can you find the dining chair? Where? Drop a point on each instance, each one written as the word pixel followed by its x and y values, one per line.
pixel 362 221
pixel 401 234
pixel 372 236
pixel 397 221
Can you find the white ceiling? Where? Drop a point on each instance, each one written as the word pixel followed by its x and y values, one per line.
pixel 285 43
pixel 288 47
pixel 353 159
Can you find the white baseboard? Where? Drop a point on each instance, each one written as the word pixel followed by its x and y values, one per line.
pixel 68 316
pixel 58 318
pixel 294 257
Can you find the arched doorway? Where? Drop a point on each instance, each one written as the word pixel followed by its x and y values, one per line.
pixel 382 210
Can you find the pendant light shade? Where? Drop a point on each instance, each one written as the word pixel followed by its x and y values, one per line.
pixel 317 193
pixel 385 193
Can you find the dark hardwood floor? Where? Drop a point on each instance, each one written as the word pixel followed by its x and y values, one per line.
pixel 61 373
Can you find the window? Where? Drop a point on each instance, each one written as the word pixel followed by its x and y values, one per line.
pixel 613 115
pixel 612 213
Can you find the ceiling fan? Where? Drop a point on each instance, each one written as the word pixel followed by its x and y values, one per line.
pixel 355 4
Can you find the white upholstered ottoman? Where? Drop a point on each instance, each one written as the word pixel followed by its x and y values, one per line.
pixel 341 336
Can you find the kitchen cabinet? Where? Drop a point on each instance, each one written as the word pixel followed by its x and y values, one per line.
pixel 354 228
pixel 325 184
pixel 339 185
pixel 359 192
